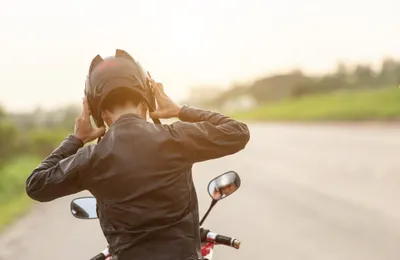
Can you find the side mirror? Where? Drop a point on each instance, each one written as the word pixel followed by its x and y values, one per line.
pixel 224 185
pixel 220 188
pixel 84 208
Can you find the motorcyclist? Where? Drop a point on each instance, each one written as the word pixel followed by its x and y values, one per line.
pixel 139 172
pixel 225 185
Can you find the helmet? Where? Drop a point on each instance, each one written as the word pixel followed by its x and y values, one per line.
pixel 115 72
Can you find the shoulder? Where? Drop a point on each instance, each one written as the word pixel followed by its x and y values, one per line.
pixel 178 125
pixel 176 129
pixel 87 149
pixel 85 154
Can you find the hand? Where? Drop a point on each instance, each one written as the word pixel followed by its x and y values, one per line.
pixel 83 127
pixel 166 107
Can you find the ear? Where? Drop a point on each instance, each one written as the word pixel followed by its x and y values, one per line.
pixel 106 117
pixel 144 107
pixel 143 110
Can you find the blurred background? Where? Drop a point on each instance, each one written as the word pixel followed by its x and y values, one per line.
pixel 317 82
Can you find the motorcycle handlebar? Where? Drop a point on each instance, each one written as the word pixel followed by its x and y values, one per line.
pixel 99 257
pixel 102 256
pixel 207 235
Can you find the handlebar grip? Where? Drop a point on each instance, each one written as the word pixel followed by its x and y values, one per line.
pixel 206 235
pixel 100 256
pixel 203 234
pixel 228 241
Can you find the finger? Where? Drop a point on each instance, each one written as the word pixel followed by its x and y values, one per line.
pixel 152 81
pixel 155 87
pixel 161 87
pixel 98 132
pixel 154 114
pixel 85 109
pixel 158 87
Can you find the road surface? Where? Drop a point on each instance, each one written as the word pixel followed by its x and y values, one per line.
pixel 308 192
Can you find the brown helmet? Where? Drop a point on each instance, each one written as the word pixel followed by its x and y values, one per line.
pixel 119 71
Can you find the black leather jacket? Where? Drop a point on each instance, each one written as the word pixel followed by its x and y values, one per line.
pixel 140 174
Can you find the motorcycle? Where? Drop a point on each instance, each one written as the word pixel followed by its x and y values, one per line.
pixel 218 189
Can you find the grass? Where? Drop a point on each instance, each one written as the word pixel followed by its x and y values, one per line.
pixel 377 104
pixel 13 199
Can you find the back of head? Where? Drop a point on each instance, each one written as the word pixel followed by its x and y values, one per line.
pixel 121 97
pixel 115 81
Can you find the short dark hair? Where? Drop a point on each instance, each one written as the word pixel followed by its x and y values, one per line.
pixel 120 97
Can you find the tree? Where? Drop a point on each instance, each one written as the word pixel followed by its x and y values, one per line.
pixel 390 72
pixel 364 76
pixel 8 139
pixel 2 113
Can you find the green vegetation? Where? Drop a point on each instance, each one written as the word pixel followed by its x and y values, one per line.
pixel 13 199
pixel 366 104
pixel 349 93
pixel 25 139
pixel 311 93
pixel 43 141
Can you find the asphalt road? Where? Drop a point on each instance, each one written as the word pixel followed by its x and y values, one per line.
pixel 308 192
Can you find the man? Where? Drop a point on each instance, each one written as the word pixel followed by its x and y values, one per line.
pixel 225 185
pixel 216 194
pixel 139 172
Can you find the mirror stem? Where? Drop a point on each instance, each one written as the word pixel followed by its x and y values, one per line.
pixel 213 202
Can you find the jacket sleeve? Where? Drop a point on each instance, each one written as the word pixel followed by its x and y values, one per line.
pixel 206 135
pixel 62 173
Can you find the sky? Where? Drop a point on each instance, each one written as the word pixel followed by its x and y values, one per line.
pixel 46 46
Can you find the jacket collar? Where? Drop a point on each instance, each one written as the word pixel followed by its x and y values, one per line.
pixel 129 116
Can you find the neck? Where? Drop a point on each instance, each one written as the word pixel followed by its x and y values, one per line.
pixel 123 111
